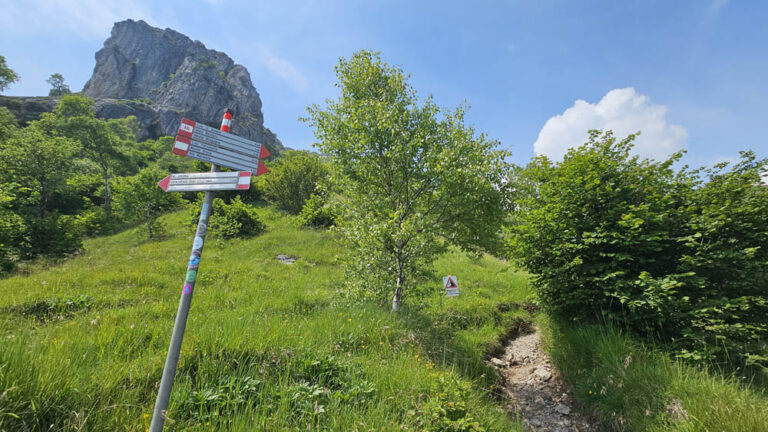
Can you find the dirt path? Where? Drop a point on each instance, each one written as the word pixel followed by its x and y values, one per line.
pixel 536 391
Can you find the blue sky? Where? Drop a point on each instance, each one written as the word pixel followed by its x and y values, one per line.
pixel 537 74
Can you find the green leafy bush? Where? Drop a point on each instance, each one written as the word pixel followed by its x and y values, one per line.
pixel 140 200
pixel 12 230
pixel 615 237
pixel 448 407
pixel 292 179
pixel 317 213
pixel 235 219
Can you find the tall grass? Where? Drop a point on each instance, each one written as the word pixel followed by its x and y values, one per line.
pixel 628 386
pixel 267 347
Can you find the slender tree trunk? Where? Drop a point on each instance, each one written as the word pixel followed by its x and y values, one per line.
pixel 396 300
pixel 107 195
pixel 149 223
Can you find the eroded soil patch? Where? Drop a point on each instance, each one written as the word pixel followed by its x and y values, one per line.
pixel 536 391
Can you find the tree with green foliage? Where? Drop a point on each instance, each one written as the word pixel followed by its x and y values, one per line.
pixel 293 178
pixel 415 178
pixel 726 260
pixel 102 141
pixel 58 88
pixel 139 199
pixel 8 124
pixel 7 75
pixel 12 229
pixel 40 165
pixel 663 252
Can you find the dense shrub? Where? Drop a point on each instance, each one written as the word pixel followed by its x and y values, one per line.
pixel 610 236
pixel 139 199
pixel 293 179
pixel 317 213
pixel 235 219
pixel 727 259
pixel 12 230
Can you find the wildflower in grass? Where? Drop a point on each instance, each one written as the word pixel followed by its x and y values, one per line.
pixel 590 392
pixel 145 415
pixel 363 346
pixel 349 319
pixel 416 356
pixel 381 343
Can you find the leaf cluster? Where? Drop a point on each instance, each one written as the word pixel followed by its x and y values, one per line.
pixel 414 178
pixel 293 178
pixel 676 255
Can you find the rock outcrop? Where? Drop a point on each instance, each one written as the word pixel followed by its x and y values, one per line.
pixel 160 76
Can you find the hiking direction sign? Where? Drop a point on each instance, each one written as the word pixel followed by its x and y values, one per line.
pixel 206 181
pixel 451 285
pixel 208 144
pixel 218 147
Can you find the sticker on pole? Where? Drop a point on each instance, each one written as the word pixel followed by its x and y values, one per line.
pixel 451 285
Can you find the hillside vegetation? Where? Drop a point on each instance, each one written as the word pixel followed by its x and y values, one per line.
pixel 268 346
pixel 647 281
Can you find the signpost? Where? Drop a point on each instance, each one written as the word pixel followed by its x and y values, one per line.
pixel 219 148
pixel 207 144
pixel 451 285
pixel 200 182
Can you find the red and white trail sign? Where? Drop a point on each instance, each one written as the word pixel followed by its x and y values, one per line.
pixel 207 144
pixel 206 181
pixel 451 285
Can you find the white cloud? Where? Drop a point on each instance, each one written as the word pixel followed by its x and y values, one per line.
pixel 89 19
pixel 624 111
pixel 282 68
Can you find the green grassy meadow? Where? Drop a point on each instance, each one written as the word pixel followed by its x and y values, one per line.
pixel 268 346
pixel 273 347
pixel 626 385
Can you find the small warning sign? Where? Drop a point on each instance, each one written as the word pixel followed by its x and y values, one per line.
pixel 451 285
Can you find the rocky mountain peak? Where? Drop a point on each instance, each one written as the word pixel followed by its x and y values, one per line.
pixel 172 77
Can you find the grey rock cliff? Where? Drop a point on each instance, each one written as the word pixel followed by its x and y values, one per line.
pixel 167 76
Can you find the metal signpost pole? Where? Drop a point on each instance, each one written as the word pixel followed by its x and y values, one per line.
pixel 172 360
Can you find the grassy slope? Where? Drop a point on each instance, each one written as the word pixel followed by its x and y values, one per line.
pixel 266 348
pixel 628 386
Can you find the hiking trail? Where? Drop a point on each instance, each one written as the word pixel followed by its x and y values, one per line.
pixel 535 389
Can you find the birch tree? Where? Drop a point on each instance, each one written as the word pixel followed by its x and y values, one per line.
pixel 415 179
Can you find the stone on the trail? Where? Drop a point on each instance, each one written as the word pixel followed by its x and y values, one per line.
pixel 497 362
pixel 536 422
pixel 285 259
pixel 543 374
pixel 562 409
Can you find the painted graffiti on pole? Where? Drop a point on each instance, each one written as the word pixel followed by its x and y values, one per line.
pixel 207 144
pixel 210 181
pixel 451 285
